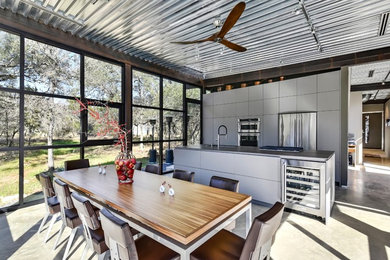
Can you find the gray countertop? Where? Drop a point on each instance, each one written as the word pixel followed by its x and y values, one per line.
pixel 304 155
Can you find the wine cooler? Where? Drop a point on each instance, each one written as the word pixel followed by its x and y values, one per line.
pixel 308 187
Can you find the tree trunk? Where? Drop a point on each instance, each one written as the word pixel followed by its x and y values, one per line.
pixel 50 135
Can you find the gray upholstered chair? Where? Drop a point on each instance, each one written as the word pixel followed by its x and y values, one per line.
pixel 183 175
pixel 69 215
pixel 138 166
pixel 93 231
pixel 257 245
pixel 152 168
pixel 52 205
pixel 226 184
pixel 119 238
pixel 76 164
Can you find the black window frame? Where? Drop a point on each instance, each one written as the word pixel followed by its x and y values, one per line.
pixel 161 109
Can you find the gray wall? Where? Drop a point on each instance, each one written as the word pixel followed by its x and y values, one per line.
pixel 320 93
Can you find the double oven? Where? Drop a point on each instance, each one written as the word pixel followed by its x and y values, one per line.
pixel 249 132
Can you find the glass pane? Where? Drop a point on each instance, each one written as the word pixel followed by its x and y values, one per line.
pixel 103 80
pixel 49 161
pixel 9 178
pixel 97 128
pixel 49 69
pixel 146 89
pixel 104 154
pixel 9 60
pixel 193 92
pixel 193 127
pixel 9 119
pixel 173 125
pixel 51 121
pixel 146 124
pixel 173 94
pixel 168 155
pixel 142 153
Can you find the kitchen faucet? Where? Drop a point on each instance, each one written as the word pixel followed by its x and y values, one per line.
pixel 219 134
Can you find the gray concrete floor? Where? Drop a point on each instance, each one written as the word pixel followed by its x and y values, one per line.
pixel 359 228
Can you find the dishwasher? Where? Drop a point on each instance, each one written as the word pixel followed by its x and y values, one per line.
pixel 308 187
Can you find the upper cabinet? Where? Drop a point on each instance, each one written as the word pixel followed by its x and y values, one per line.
pixel 307 85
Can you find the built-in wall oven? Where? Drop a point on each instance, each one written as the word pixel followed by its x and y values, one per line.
pixel 248 132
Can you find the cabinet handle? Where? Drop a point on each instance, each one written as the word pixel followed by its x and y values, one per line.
pixel 283 181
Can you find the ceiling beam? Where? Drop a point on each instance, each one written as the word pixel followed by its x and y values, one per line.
pixel 18 23
pixel 305 67
pixel 376 101
pixel 371 86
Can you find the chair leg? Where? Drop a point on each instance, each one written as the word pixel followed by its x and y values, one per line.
pixel 43 222
pixel 59 236
pixel 69 244
pixel 85 250
pixel 53 219
pixel 102 256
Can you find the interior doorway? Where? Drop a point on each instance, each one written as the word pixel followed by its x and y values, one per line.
pixel 372 126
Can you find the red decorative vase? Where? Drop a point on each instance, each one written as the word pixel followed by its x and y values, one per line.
pixel 124 165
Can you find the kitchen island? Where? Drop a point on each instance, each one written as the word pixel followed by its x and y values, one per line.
pixel 262 173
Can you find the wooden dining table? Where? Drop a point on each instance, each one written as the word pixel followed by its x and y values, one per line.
pixel 181 222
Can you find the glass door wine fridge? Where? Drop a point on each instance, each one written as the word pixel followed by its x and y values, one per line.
pixel 306 187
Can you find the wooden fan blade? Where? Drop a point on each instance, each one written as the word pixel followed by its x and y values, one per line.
pixel 191 42
pixel 233 46
pixel 231 20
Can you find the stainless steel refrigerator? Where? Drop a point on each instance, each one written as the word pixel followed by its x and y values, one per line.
pixel 298 130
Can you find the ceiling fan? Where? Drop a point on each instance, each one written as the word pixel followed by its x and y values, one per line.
pixel 218 37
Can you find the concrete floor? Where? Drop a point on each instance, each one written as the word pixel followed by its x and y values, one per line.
pixel 359 228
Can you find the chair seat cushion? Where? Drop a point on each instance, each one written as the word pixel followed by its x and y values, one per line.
pixel 54 204
pixel 149 249
pixel 72 218
pixel 98 240
pixel 224 245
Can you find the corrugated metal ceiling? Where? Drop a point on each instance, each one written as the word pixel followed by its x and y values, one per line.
pixel 272 32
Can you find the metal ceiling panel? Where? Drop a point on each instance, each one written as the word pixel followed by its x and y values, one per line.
pixel 273 34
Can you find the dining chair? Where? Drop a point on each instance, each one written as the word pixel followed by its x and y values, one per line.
pixel 257 245
pixel 76 164
pixel 52 205
pixel 183 175
pixel 69 215
pixel 93 232
pixel 138 166
pixel 119 238
pixel 152 168
pixel 224 183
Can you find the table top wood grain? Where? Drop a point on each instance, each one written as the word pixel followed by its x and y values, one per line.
pixel 192 211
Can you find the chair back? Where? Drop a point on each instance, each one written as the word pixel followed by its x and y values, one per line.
pixel 138 166
pixel 47 185
pixel 183 175
pixel 224 183
pixel 152 168
pixel 63 194
pixel 118 236
pixel 76 164
pixel 261 235
pixel 86 212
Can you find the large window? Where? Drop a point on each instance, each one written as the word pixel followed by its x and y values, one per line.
pixel 158 112
pixel 41 123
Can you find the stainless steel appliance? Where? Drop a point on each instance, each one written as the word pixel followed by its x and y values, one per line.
pixel 298 130
pixel 308 186
pixel 248 132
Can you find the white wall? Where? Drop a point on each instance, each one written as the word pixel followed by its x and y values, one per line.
pixel 355 123
pixel 319 93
